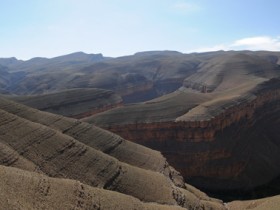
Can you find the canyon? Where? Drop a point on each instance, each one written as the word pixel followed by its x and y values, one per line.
pixel 213 116
pixel 212 136
pixel 211 153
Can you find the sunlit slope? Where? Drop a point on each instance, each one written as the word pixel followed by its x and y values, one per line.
pixel 229 70
pixel 163 109
pixel 21 189
pixel 182 105
pixel 260 204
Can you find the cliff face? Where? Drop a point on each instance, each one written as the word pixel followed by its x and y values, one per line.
pixel 238 149
pixel 196 131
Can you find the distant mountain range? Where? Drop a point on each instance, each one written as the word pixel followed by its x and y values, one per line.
pixel 136 78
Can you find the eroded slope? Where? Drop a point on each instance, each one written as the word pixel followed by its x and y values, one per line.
pixel 48 144
pixel 26 190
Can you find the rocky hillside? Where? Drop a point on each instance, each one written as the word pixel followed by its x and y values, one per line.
pixel 52 162
pixel 43 145
pixel 38 191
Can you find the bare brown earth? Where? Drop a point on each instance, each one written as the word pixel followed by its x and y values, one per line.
pixel 61 147
pixel 28 190
pixel 76 103
pixel 41 167
pixel 21 189
pixel 272 203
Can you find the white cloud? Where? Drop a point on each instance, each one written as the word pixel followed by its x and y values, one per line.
pixel 258 43
pixel 249 43
pixel 186 7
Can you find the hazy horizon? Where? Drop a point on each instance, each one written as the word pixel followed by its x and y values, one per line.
pixel 118 28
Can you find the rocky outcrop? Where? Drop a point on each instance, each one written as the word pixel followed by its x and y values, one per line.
pixel 224 148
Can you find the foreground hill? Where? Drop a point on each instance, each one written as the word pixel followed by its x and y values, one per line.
pixel 261 204
pixel 61 147
pixel 38 191
pixel 75 103
pixel 27 190
pixel 51 162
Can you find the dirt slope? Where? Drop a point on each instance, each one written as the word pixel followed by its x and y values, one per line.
pixel 54 151
pixel 21 189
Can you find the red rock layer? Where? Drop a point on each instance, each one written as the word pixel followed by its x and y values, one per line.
pixel 195 131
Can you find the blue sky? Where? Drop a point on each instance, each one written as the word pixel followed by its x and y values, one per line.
pixel 48 28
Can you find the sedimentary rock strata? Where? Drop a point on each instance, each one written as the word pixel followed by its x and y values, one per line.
pixel 214 143
pixel 62 147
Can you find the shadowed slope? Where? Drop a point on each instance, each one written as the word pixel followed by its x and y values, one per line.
pixel 163 109
pixel 66 62
pixel 8 79
pixel 38 75
pixel 9 157
pixel 75 103
pixel 146 75
pixel 4 77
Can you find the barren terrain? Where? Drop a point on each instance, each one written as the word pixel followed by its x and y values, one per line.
pixel 214 117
